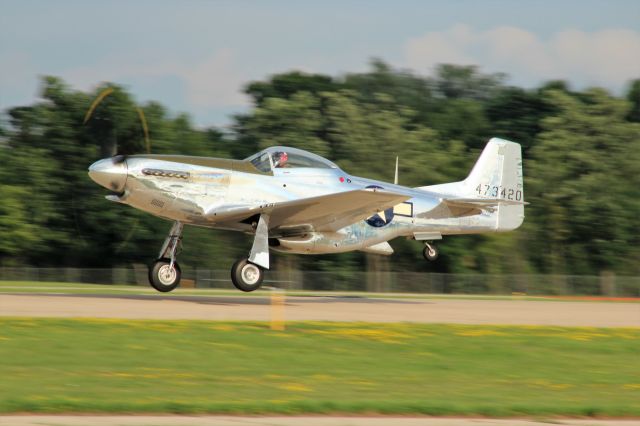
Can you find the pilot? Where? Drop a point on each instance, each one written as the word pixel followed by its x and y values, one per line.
pixel 280 159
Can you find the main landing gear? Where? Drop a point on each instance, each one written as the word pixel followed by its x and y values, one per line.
pixel 247 274
pixel 164 272
pixel 430 252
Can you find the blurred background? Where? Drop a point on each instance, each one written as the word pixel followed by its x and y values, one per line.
pixel 357 82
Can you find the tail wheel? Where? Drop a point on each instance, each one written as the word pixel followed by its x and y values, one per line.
pixel 430 252
pixel 246 276
pixel 163 277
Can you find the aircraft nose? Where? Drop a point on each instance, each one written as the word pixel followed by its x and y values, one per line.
pixel 110 173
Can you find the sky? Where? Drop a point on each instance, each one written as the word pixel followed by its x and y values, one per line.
pixel 196 56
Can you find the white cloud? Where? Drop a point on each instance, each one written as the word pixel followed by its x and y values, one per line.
pixel 608 58
pixel 213 81
pixel 438 47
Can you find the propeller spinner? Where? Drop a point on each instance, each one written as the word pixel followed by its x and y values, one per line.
pixel 110 173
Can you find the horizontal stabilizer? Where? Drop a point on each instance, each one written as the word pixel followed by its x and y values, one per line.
pixel 482 203
pixel 461 207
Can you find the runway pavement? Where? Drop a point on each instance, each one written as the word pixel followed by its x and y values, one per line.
pixel 326 308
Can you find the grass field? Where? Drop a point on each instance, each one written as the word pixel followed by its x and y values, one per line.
pixel 126 366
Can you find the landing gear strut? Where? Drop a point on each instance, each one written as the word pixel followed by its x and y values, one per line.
pixel 430 252
pixel 247 274
pixel 164 272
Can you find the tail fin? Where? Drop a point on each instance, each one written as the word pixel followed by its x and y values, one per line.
pixel 497 175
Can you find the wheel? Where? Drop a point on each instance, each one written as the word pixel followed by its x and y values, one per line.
pixel 162 277
pixel 246 276
pixel 430 252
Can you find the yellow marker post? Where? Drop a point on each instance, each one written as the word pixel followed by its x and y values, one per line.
pixel 277 309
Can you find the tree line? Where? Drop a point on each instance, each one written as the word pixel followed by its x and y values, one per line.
pixel 581 166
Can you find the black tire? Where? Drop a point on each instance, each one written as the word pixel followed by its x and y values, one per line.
pixel 430 253
pixel 160 277
pixel 246 276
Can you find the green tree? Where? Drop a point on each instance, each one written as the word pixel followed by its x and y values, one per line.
pixel 584 187
pixel 633 96
pixel 295 122
pixel 406 89
pixel 464 120
pixel 366 138
pixel 466 82
pixel 18 233
pixel 285 86
pixel 516 114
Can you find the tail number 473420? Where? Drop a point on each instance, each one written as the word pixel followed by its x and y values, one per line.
pixel 499 192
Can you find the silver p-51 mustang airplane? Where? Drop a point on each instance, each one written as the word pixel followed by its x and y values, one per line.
pixel 297 202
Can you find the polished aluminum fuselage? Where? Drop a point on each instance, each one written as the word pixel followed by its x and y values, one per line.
pixel 193 193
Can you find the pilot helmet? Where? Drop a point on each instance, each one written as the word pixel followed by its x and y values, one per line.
pixel 280 158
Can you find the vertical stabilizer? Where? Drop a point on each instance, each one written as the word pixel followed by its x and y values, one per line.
pixel 497 175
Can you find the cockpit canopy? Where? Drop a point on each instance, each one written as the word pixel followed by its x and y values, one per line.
pixel 281 157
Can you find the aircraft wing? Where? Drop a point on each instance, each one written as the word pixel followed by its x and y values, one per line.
pixel 460 207
pixel 323 213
